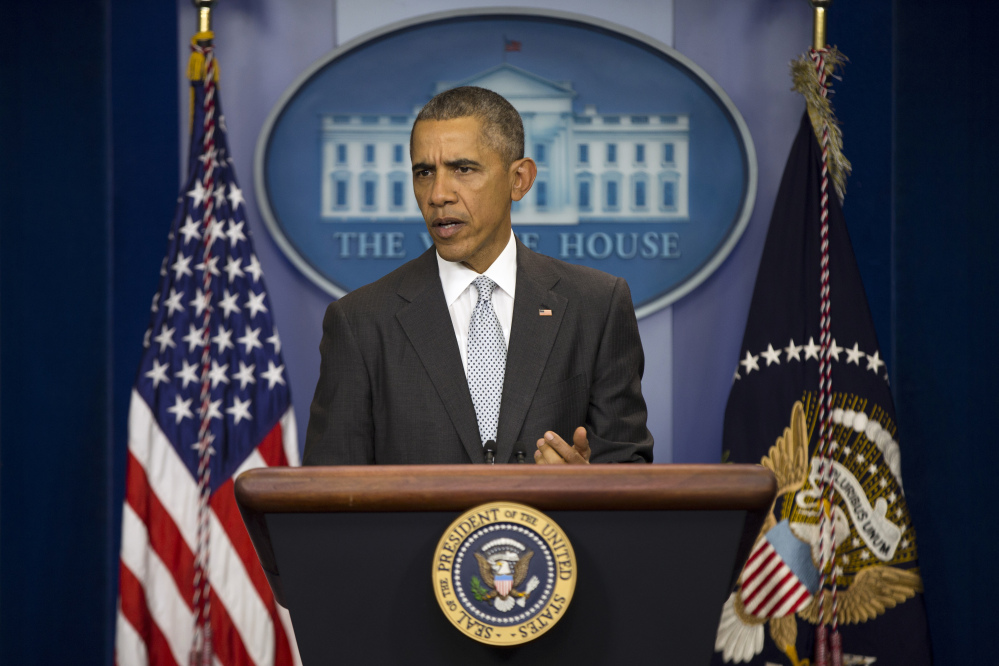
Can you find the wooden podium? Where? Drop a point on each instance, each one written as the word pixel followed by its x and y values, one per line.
pixel 349 551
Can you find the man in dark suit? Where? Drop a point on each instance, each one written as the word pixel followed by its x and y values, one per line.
pixel 480 349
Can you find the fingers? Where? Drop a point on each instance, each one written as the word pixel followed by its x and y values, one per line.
pixel 552 449
pixel 581 443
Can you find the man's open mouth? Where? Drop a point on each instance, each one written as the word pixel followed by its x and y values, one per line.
pixel 447 226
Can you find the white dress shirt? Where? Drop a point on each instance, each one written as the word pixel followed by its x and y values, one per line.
pixel 461 295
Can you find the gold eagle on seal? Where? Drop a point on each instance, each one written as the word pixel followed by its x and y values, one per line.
pixel 503 574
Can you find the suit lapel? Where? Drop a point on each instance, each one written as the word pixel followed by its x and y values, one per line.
pixel 531 339
pixel 427 323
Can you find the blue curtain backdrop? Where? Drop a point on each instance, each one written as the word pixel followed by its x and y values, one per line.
pixel 88 177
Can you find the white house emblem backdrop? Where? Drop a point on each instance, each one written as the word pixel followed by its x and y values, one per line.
pixel 645 168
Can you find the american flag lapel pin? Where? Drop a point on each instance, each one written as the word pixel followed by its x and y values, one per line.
pixel 544 312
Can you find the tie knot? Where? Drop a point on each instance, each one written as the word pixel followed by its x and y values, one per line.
pixel 485 287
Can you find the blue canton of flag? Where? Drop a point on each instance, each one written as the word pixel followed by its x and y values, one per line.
pixel 176 536
pixel 249 391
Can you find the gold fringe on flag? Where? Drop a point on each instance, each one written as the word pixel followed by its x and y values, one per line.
pixel 806 81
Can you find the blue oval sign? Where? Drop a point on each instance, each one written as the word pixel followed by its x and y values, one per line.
pixel 645 168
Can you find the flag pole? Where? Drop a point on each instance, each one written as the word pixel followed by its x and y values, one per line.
pixel 202 67
pixel 828 645
pixel 204 14
pixel 819 8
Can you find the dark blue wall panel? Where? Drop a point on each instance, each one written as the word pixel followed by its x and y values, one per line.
pixel 145 169
pixel 945 238
pixel 862 30
pixel 54 325
pixel 88 180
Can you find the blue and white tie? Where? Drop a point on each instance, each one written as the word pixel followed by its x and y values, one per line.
pixel 486 360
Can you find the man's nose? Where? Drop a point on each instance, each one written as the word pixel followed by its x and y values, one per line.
pixel 443 191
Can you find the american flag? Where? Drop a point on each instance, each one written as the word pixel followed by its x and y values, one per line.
pixel 210 400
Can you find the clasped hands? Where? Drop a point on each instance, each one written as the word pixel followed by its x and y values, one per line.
pixel 553 450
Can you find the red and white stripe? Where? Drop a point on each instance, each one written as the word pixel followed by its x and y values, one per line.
pixel 769 587
pixel 159 538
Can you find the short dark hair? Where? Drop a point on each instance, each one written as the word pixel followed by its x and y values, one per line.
pixel 501 123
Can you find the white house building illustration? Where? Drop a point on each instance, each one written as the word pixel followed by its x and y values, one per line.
pixel 591 166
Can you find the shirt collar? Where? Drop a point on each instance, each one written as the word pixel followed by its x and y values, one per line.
pixel 455 276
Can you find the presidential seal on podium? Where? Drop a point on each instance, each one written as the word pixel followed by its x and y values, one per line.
pixel 504 573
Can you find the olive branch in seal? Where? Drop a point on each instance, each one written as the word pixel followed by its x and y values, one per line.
pixel 478 589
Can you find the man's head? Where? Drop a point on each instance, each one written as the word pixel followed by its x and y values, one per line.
pixel 467 149
pixel 501 124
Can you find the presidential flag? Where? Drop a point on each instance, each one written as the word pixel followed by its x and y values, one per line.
pixel 838 550
pixel 210 400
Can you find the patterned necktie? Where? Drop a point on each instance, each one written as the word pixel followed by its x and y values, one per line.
pixel 486 360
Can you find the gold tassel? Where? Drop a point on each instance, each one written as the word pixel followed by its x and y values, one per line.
pixel 196 63
pixel 806 81
pixel 196 70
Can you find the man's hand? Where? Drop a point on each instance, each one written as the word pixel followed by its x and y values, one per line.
pixel 552 449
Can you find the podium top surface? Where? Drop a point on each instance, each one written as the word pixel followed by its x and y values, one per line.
pixel 459 487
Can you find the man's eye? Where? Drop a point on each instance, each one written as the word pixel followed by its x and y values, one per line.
pixel 423 173
pixel 464 169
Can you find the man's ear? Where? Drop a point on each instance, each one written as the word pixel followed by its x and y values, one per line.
pixel 522 172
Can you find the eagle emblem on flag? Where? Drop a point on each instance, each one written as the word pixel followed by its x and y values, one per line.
pixel 503 565
pixel 780 578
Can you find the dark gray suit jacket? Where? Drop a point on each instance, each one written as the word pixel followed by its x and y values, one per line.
pixel 392 389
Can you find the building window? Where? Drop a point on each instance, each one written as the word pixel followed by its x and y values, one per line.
pixel 583 201
pixel 669 195
pixel 667 153
pixel 341 153
pixel 639 191
pixel 398 194
pixel 610 200
pixel 610 190
pixel 397 153
pixel 369 153
pixel 611 153
pixel 369 191
pixel 397 183
pixel 640 153
pixel 639 194
pixel 341 183
pixel 584 153
pixel 542 194
pixel 540 155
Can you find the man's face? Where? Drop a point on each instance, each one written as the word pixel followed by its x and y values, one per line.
pixel 464 189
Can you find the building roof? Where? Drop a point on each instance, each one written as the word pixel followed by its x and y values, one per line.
pixel 513 83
